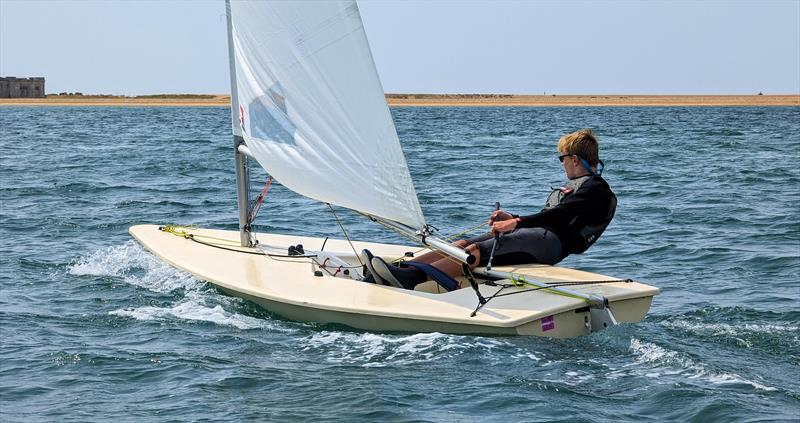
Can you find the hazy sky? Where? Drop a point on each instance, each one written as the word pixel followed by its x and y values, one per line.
pixel 563 47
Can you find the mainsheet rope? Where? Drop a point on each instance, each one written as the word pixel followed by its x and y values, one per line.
pixel 520 283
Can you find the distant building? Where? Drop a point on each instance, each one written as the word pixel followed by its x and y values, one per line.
pixel 11 87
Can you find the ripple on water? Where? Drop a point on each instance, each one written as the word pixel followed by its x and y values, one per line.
pixel 708 212
pixel 655 361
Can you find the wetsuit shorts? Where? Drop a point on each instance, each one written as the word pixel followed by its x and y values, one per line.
pixel 520 246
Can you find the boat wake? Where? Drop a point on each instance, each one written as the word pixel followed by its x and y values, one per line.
pixel 135 266
pixel 661 363
pixel 194 307
pixel 381 350
pixel 746 335
pixel 182 298
pixel 185 298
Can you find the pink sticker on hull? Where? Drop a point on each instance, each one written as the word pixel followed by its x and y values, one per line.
pixel 548 323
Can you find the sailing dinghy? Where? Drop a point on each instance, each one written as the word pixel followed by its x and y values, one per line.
pixel 307 105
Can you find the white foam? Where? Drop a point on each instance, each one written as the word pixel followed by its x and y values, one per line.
pixel 742 333
pixel 194 308
pixel 135 266
pixel 110 261
pixel 573 378
pixel 377 350
pixel 667 362
pixel 716 329
pixel 62 358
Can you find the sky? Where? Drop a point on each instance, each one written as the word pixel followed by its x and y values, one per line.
pixel 139 47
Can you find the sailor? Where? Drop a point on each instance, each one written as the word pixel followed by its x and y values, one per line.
pixel 573 218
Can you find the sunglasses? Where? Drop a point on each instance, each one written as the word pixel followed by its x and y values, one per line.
pixel 563 156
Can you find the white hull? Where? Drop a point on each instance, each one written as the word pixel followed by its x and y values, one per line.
pixel 289 288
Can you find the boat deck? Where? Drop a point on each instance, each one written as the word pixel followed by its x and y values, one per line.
pixel 289 287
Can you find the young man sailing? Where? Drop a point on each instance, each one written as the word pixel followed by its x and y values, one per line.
pixel 572 219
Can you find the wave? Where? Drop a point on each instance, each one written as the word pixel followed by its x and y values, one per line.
pixel 716 329
pixel 196 302
pixel 194 308
pixel 725 132
pixel 667 362
pixel 134 266
pixel 380 350
pixel 770 332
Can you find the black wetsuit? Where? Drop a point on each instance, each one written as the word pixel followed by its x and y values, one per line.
pixel 579 217
pixel 573 218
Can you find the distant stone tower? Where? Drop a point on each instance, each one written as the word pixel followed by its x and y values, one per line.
pixel 11 87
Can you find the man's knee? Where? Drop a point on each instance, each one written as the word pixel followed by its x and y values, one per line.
pixel 475 251
pixel 461 243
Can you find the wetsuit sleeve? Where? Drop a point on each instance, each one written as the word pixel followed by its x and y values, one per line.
pixel 582 201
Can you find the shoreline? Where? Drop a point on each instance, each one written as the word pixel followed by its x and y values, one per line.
pixel 444 100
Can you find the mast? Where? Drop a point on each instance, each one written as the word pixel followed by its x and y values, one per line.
pixel 242 179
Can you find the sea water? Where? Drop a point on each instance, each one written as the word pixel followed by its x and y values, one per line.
pixel 94 328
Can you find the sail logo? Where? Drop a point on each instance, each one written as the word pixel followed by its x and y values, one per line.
pixel 241 116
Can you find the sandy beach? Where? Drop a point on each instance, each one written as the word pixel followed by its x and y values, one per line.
pixel 438 100
pixel 177 101
pixel 592 100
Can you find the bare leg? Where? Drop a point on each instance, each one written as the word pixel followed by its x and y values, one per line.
pixel 453 267
pixel 412 277
pixel 435 256
pixel 448 265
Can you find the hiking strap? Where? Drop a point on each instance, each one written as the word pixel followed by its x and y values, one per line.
pixel 435 274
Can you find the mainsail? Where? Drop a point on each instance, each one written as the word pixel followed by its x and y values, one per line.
pixel 311 108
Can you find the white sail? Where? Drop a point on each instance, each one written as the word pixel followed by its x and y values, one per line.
pixel 312 110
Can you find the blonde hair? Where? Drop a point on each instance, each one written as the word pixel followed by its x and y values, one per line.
pixel 581 143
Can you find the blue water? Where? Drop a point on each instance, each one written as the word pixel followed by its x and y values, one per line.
pixel 93 328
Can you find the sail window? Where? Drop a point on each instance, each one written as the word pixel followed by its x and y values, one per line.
pixel 269 119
